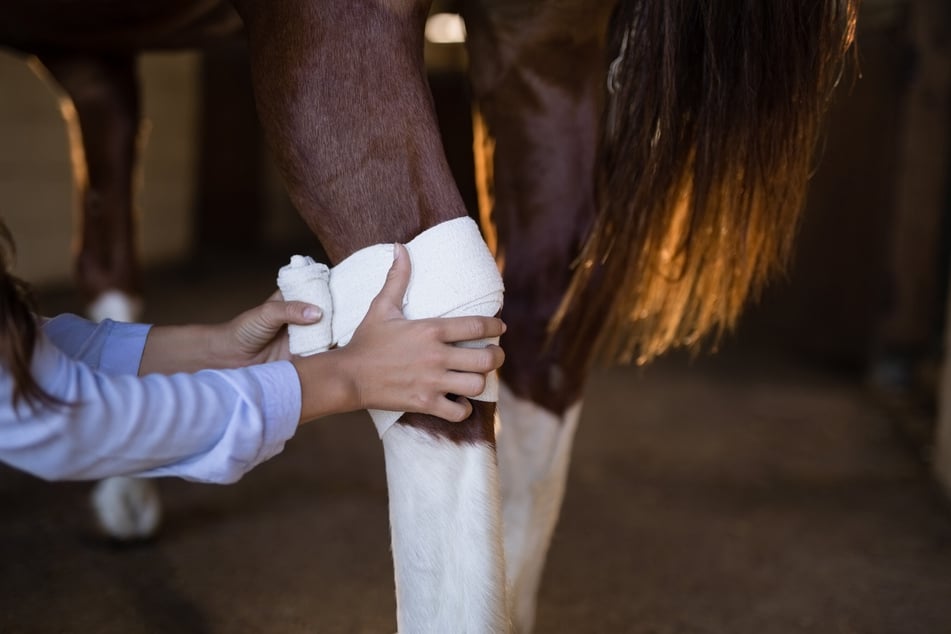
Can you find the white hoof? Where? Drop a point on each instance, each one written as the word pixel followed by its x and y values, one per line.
pixel 127 508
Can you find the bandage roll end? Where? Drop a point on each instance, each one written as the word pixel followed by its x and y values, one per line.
pixel 305 280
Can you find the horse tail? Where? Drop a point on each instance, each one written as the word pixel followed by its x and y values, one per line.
pixel 713 113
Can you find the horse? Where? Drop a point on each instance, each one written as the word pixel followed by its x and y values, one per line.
pixel 642 166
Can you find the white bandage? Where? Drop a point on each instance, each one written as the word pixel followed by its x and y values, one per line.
pixel 453 274
pixel 308 281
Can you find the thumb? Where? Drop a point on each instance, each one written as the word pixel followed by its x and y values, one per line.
pixel 397 279
pixel 299 313
pixel 273 314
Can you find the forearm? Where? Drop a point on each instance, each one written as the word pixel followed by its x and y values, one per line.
pixel 210 426
pixel 327 385
pixel 327 380
pixel 171 349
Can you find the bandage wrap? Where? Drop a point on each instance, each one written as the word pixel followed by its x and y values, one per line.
pixel 308 281
pixel 453 274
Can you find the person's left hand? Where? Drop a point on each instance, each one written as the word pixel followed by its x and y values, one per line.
pixel 259 335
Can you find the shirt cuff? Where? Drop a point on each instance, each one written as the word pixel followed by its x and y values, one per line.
pixel 281 405
pixel 122 353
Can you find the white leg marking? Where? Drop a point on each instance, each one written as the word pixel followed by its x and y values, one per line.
pixel 127 508
pixel 115 305
pixel 447 544
pixel 534 448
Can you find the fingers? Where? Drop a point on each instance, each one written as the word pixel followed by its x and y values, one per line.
pixel 464 383
pixel 467 383
pixel 455 329
pixel 480 360
pixel 453 411
pixel 397 279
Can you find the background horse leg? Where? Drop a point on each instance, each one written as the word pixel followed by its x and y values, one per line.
pixel 539 100
pixel 699 182
pixel 341 90
pixel 101 110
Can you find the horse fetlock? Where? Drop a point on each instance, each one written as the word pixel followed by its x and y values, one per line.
pixel 127 508
pixel 115 305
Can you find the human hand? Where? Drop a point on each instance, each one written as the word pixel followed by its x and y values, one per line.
pixel 259 335
pixel 411 365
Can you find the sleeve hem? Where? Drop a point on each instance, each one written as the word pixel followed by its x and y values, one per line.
pixel 281 405
pixel 122 352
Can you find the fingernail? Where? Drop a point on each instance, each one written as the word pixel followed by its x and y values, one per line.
pixel 396 251
pixel 312 313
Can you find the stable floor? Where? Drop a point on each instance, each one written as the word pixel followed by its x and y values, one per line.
pixel 735 494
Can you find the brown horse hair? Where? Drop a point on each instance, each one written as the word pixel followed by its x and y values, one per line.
pixel 18 330
pixel 706 151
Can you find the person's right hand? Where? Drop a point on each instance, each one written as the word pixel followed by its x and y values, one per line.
pixel 411 365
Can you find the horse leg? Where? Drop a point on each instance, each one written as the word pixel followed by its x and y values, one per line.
pixel 101 110
pixel 539 105
pixel 341 90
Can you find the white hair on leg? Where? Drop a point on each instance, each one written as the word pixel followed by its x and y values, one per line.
pixel 534 449
pixel 445 522
pixel 127 508
pixel 115 305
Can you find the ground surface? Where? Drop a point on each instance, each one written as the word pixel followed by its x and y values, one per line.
pixel 733 495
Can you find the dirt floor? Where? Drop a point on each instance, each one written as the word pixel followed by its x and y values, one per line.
pixel 738 494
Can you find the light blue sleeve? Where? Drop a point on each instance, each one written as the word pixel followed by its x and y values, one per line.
pixel 211 426
pixel 110 346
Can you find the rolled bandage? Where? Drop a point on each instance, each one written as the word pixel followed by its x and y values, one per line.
pixel 453 275
pixel 308 281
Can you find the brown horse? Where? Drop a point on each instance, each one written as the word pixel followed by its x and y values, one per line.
pixel 643 163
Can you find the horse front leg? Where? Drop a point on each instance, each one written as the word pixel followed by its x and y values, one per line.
pixel 102 114
pixel 446 525
pixel 539 104
pixel 342 93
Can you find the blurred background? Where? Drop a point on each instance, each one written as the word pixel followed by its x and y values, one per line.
pixel 797 463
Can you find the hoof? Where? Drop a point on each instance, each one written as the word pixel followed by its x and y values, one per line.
pixel 127 508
